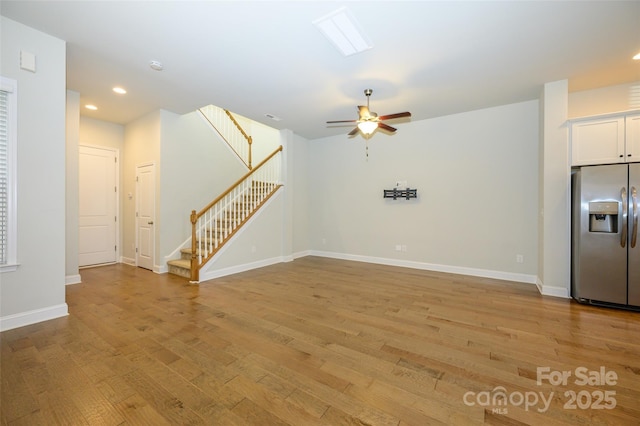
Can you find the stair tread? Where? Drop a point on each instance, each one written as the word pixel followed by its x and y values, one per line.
pixel 182 263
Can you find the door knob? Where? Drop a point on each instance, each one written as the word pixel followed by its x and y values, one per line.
pixel 150 222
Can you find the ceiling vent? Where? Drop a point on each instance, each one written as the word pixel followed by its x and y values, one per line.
pixel 343 31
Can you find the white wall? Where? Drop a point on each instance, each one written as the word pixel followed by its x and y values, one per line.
pixel 141 146
pixel 265 139
pixel 196 168
pixel 555 193
pixel 622 97
pixel 257 244
pixel 299 184
pixel 100 133
pixel 477 179
pixel 72 274
pixel 36 290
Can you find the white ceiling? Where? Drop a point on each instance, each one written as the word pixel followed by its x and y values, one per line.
pixel 257 57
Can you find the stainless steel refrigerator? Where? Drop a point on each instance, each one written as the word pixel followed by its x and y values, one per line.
pixel 605 241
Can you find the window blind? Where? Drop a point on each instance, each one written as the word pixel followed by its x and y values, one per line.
pixel 4 169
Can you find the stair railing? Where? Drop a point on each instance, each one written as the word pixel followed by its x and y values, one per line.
pixel 230 131
pixel 215 224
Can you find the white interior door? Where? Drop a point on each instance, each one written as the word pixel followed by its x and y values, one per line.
pixel 145 215
pixel 97 178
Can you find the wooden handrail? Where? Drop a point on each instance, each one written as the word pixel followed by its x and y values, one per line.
pixel 229 138
pixel 237 125
pixel 247 137
pixel 198 260
pixel 195 216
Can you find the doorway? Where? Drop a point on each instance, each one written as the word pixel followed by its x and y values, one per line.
pixel 98 205
pixel 145 215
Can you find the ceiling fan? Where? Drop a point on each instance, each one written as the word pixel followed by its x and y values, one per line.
pixel 369 121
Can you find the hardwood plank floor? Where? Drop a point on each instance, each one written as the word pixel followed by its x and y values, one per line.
pixel 319 342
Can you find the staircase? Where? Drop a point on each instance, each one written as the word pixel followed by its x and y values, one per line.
pixel 215 225
pixel 214 236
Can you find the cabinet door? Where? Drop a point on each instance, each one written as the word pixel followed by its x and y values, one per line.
pixel 598 141
pixel 632 147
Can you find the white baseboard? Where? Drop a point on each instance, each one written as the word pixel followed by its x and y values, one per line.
pixel 210 275
pixel 300 254
pixel 161 269
pixel 31 317
pixel 548 290
pixel 128 261
pixel 484 273
pixel 476 272
pixel 72 279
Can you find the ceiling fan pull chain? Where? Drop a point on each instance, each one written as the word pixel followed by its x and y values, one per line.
pixel 366 143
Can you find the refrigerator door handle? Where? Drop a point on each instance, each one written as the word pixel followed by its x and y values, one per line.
pixel 634 205
pixel 625 214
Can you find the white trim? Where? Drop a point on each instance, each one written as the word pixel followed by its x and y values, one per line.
pixel 299 254
pixel 116 153
pixel 9 268
pixel 176 253
pixel 603 116
pixel 159 269
pixel 137 209
pixel 128 261
pixel 462 270
pixel 72 279
pixel 210 275
pixel 552 291
pixel 228 244
pixel 11 86
pixel 22 319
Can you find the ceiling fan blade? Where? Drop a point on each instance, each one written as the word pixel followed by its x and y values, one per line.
pixel 353 132
pixel 342 121
pixel 387 128
pixel 397 115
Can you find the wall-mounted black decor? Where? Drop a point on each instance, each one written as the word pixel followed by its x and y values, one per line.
pixel 396 193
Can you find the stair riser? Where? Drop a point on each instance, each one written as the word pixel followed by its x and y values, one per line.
pixel 176 270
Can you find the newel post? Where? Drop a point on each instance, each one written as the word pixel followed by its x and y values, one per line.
pixel 194 260
pixel 250 140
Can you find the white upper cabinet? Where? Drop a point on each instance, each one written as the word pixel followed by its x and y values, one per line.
pixel 632 148
pixel 605 140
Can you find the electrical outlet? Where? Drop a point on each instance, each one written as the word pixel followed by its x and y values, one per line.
pixel 398 247
pixel 404 247
pixel 519 258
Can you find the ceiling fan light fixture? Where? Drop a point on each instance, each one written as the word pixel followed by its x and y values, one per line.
pixel 367 127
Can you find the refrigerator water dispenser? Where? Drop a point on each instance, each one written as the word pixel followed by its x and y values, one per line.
pixel 603 216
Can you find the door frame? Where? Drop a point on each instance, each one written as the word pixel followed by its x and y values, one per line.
pixel 116 153
pixel 137 209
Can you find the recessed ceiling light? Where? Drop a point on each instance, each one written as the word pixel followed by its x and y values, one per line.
pixel 119 90
pixel 91 107
pixel 637 57
pixel 156 65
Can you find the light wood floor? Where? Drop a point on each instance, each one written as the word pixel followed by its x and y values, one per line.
pixel 317 342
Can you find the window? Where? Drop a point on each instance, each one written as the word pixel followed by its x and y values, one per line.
pixel 8 159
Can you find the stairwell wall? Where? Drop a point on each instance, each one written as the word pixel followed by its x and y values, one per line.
pixel 196 167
